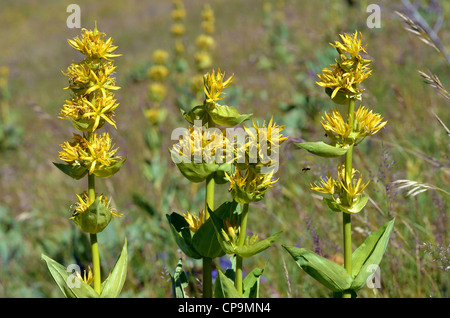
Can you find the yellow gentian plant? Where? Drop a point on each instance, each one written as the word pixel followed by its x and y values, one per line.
pixel 253 176
pixel 91 154
pixel 345 194
pixel 246 165
pixel 200 157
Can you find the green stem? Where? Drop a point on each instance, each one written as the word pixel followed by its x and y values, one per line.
pixel 93 237
pixel 96 263
pixel 94 242
pixel 207 261
pixel 346 217
pixel 242 230
pixel 209 197
pixel 207 277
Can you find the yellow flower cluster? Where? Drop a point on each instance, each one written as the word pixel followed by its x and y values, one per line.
pixel 205 44
pixel 230 232
pixel 96 111
pixel 365 123
pixel 83 204
pixel 93 154
pixel 343 191
pixel 349 71
pixel 213 85
pixel 261 149
pixel 201 142
pixel 178 29
pixel 93 45
pixel 270 136
pixel 208 19
pixel 195 222
pixel 250 187
pixel 90 277
pixel 91 105
pixel 157 91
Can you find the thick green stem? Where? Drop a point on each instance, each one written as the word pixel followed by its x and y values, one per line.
pixel 96 263
pixel 346 217
pixel 209 197
pixel 242 229
pixel 94 242
pixel 207 277
pixel 207 262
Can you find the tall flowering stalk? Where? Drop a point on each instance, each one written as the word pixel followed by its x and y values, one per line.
pixel 92 154
pixel 200 158
pixel 345 193
pixel 254 175
pixel 239 156
pixel 205 44
pixel 178 30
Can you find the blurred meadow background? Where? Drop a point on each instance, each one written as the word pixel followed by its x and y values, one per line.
pixel 275 49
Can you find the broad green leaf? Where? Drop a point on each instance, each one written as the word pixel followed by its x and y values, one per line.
pixel 113 285
pixel 109 171
pixel 205 241
pixel 226 116
pixel 182 235
pixel 245 251
pixel 259 246
pixel 224 287
pixel 322 149
pixel 179 281
pixel 198 172
pixel 223 212
pixel 328 273
pixel 332 205
pixel 71 286
pixel 367 257
pixel 251 283
pixel 357 206
pixel 75 171
pixel 95 219
pixel 196 113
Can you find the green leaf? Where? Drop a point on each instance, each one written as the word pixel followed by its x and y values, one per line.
pixel 357 206
pixel 322 149
pixel 224 287
pixel 71 286
pixel 182 235
pixel 179 281
pixel 75 171
pixel 251 283
pixel 113 285
pixel 110 170
pixel 226 116
pixel 339 98
pixel 198 172
pixel 328 273
pixel 87 124
pixel 223 212
pixel 253 249
pixel 95 219
pixel 197 113
pixel 332 205
pixel 367 257
pixel 205 241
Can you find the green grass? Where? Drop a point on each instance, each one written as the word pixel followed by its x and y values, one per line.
pixel 35 197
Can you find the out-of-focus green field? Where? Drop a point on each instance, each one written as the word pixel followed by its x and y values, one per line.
pixel 35 197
